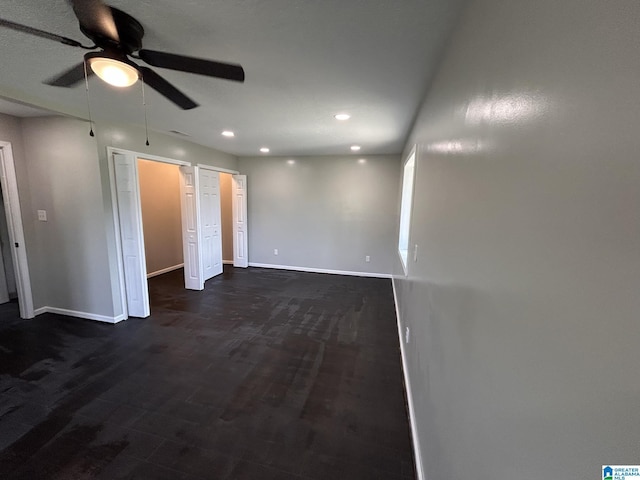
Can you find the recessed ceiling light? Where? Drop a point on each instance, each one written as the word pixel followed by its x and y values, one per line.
pixel 264 150
pixel 355 148
pixel 342 116
pixel 228 133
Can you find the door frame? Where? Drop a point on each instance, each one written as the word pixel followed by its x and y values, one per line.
pixel 237 261
pixel 13 214
pixel 116 212
pixel 116 215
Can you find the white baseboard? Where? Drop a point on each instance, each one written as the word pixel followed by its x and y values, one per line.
pixel 76 314
pixel 165 270
pixel 412 412
pixel 321 270
pixel 227 262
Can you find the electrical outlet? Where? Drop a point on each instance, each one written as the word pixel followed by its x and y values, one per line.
pixel 367 259
pixel 275 251
pixel 406 335
pixel 42 215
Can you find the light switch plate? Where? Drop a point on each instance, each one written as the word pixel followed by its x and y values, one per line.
pixel 42 215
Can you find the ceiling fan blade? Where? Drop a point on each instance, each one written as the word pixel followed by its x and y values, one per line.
pixel 95 17
pixel 70 77
pixel 40 33
pixel 193 65
pixel 164 88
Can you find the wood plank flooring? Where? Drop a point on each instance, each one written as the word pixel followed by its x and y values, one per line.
pixel 266 374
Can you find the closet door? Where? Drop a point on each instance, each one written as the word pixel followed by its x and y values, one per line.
pixel 131 236
pixel 240 234
pixel 193 278
pixel 211 232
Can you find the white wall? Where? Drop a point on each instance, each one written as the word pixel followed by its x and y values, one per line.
pixel 523 305
pixel 323 212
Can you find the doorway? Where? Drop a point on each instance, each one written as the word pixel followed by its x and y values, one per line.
pixel 7 275
pixel 162 218
pixel 200 212
pixel 14 267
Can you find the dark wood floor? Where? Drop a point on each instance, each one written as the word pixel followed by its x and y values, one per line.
pixel 265 375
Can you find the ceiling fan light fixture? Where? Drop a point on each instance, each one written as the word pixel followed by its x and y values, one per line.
pixel 113 70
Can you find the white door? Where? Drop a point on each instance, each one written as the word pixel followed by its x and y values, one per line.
pixel 4 288
pixel 4 237
pixel 7 275
pixel 193 278
pixel 240 233
pixel 211 238
pixel 16 232
pixel 131 236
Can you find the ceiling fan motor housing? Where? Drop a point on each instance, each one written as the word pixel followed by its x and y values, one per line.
pixel 130 33
pixel 118 36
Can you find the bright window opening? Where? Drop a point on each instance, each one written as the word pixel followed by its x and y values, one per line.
pixel 405 208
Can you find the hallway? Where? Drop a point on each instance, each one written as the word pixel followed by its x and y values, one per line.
pixel 266 374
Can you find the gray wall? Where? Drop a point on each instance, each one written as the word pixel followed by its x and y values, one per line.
pixel 523 304
pixel 70 254
pixel 323 212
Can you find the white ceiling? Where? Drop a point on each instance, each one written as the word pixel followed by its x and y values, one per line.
pixel 304 60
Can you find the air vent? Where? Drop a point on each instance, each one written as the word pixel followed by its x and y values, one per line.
pixel 182 134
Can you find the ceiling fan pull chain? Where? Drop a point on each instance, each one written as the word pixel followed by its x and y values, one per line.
pixel 86 84
pixel 144 106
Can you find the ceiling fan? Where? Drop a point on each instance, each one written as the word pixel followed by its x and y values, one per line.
pixel 117 37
